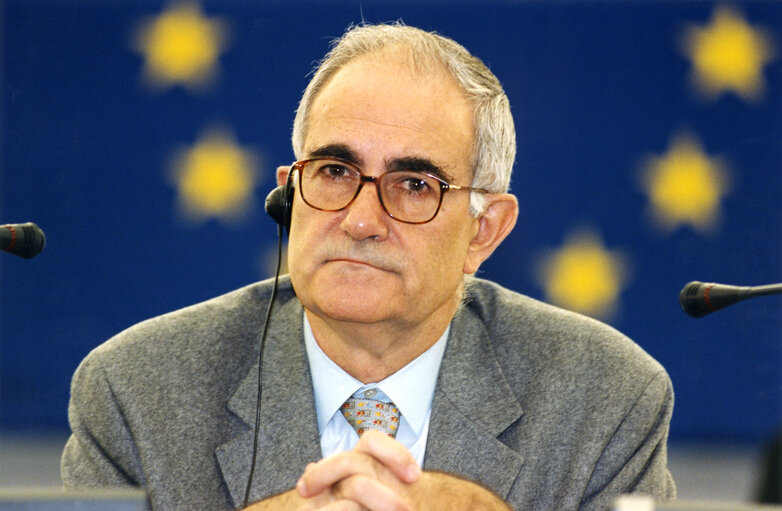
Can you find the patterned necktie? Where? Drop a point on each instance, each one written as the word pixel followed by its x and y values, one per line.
pixel 365 414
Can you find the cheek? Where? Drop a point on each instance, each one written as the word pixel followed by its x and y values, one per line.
pixel 309 230
pixel 303 221
pixel 299 239
pixel 444 255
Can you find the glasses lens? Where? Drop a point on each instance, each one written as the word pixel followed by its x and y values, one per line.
pixel 329 184
pixel 410 196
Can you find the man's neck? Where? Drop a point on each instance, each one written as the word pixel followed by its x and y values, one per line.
pixel 370 352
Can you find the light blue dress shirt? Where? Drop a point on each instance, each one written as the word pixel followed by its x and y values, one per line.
pixel 411 389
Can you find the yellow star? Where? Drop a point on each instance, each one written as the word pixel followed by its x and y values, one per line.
pixel 180 46
pixel 583 276
pixel 215 178
pixel 728 55
pixel 685 186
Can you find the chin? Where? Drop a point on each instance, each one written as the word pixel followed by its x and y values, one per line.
pixel 349 302
pixel 364 296
pixel 358 309
pixel 355 317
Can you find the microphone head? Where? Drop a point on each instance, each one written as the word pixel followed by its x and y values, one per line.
pixel 691 299
pixel 28 241
pixel 698 299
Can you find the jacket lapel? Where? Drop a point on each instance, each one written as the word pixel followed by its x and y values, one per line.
pixel 288 438
pixel 473 404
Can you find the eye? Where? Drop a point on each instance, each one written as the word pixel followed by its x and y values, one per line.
pixel 411 184
pixel 333 171
pixel 415 184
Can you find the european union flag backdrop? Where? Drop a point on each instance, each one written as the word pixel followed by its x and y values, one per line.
pixel 143 138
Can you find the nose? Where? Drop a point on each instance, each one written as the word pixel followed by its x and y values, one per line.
pixel 365 218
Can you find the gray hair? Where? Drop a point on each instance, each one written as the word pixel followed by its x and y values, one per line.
pixel 494 147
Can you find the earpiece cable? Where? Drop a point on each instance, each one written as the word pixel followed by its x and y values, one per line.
pixel 260 366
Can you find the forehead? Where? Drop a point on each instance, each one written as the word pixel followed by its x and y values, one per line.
pixel 382 107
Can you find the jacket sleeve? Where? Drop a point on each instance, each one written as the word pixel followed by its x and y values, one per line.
pixel 635 458
pixel 100 451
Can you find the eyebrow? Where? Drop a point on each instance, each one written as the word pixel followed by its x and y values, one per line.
pixel 340 151
pixel 414 163
pixel 420 165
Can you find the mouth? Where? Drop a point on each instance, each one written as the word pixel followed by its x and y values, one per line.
pixel 357 263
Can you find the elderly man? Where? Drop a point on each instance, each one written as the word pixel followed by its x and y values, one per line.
pixel 405 145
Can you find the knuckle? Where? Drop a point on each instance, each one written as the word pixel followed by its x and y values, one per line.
pixel 369 493
pixel 353 487
pixel 349 463
pixel 370 438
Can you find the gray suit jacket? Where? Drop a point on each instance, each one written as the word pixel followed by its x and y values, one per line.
pixel 549 409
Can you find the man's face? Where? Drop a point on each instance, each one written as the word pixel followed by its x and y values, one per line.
pixel 359 264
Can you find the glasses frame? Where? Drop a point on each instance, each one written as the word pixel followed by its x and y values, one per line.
pixel 444 187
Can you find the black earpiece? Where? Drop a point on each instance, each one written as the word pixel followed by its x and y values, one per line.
pixel 279 202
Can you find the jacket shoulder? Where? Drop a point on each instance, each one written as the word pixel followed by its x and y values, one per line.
pixel 199 343
pixel 527 333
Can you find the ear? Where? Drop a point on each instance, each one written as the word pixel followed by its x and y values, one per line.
pixel 282 174
pixel 493 226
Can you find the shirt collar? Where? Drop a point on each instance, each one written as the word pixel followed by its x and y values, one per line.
pixel 411 388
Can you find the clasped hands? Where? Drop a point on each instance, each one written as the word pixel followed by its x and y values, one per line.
pixel 378 474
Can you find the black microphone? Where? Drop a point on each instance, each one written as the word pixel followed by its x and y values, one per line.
pixel 698 299
pixel 24 240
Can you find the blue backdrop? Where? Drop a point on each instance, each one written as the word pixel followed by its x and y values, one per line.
pixel 143 138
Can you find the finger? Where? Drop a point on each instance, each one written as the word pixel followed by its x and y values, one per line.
pixel 376 455
pixel 325 501
pixel 341 505
pixel 372 494
pixel 390 453
pixel 331 470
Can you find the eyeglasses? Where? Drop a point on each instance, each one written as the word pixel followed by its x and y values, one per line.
pixel 329 184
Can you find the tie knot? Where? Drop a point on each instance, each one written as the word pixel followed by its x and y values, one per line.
pixel 365 414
